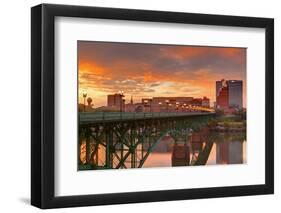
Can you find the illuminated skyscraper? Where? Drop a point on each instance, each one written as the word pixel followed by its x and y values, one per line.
pixel 222 98
pixel 235 93
pixel 218 88
pixel 229 94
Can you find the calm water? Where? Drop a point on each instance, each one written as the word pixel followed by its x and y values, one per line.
pixel 203 148
pixel 226 148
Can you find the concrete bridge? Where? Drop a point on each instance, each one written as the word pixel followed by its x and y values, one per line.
pixel 125 140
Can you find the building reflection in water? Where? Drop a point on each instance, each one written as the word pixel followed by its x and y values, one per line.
pixel 229 152
pixel 203 148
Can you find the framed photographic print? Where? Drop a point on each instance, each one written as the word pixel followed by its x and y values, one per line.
pixel 140 106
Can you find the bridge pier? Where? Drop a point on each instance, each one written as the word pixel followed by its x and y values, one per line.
pixel 108 149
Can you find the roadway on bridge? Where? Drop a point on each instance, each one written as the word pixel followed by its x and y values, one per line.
pixel 97 117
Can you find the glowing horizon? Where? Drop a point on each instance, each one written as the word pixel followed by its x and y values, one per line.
pixel 156 70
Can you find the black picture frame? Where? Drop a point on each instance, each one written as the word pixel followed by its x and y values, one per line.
pixel 43 102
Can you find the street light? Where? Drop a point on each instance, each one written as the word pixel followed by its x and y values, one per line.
pixel 177 106
pixel 150 101
pixel 170 105
pixel 121 93
pixel 84 93
pixel 167 103
pixel 123 108
pixel 145 103
pixel 160 104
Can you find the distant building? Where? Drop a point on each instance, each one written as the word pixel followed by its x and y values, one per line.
pixel 218 87
pixel 205 102
pixel 235 93
pixel 196 102
pixel 116 101
pixel 85 108
pixel 222 98
pixel 215 104
pixel 163 104
pixel 139 107
pixel 157 104
pixel 229 94
pixel 107 109
pixel 130 107
pixel 173 104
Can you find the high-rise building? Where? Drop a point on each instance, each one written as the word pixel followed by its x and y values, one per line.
pixel 222 98
pixel 218 88
pixel 229 94
pixel 235 93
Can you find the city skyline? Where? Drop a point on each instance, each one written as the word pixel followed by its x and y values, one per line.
pixel 151 70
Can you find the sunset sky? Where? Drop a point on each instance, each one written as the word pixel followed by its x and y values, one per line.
pixel 149 70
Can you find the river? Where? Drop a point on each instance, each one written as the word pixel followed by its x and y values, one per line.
pixel 227 148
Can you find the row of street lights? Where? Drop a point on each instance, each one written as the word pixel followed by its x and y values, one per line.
pixel 168 105
pixel 177 105
pixel 122 100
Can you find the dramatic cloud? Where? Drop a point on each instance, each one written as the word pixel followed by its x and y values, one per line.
pixel 144 70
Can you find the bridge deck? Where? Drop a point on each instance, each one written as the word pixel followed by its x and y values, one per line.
pixel 97 117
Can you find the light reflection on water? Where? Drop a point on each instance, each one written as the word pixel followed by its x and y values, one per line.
pixel 228 148
pixel 222 148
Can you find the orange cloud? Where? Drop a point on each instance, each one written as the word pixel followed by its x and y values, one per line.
pixel 157 70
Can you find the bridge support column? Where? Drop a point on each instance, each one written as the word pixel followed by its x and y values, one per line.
pixel 133 147
pixel 88 148
pixel 108 149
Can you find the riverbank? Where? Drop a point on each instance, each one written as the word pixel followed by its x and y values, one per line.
pixel 226 124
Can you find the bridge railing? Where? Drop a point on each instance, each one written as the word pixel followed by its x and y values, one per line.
pixel 115 116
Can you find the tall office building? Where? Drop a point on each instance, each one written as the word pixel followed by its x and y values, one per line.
pixel 218 88
pixel 235 93
pixel 229 94
pixel 223 98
